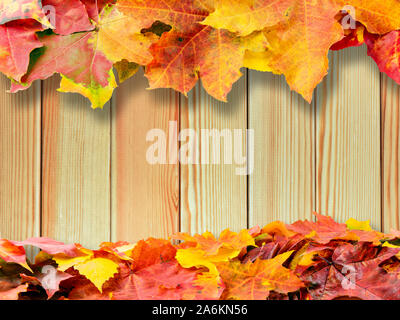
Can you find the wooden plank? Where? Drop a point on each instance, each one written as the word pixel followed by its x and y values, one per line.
pixel 76 168
pixel 213 196
pixel 145 196
pixel 348 139
pixel 282 185
pixel 20 162
pixel 390 119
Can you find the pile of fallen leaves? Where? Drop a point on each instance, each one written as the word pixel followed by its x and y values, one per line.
pixel 303 261
pixel 181 41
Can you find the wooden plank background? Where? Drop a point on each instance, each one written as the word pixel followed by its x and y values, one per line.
pixel 79 175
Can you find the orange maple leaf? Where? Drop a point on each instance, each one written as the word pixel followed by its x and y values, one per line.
pixel 254 281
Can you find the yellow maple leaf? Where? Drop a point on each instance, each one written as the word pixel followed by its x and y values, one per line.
pixel 247 16
pixel 207 250
pixel 299 47
pixel 354 224
pixel 65 262
pixel 98 270
pixel 97 94
pixel 208 285
pixel 128 44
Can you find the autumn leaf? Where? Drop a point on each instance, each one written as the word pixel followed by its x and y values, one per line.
pixel 348 272
pixel 50 246
pixel 164 281
pixel 385 51
pixel 11 10
pixel 152 251
pixel 49 279
pixel 209 286
pixel 121 249
pixel 95 7
pixel 13 294
pixel 275 247
pixel 189 51
pixel 86 65
pixel 299 47
pixel 352 38
pixel 254 281
pixel 91 55
pixel 353 224
pixel 302 261
pixel 125 69
pixel 324 230
pixel 178 57
pixel 97 270
pixel 130 45
pixel 277 228
pixel 95 92
pixel 17 40
pixel 181 59
pixel 205 250
pixel 378 16
pixel 10 252
pixel 80 288
pixel 365 287
pixel 70 16
pixel 246 16
pixel 181 14
pixel 65 262
pixel 181 42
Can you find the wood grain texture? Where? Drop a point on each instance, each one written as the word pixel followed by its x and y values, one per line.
pixel 282 184
pixel 213 196
pixel 390 120
pixel 145 197
pixel 348 139
pixel 76 168
pixel 20 162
